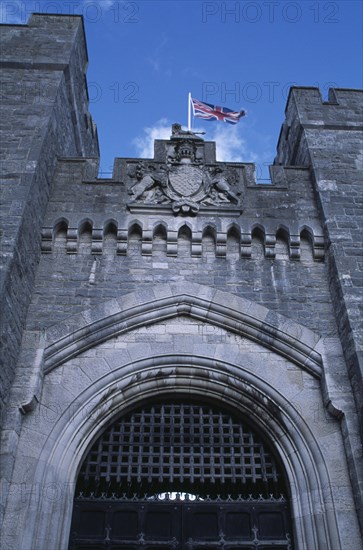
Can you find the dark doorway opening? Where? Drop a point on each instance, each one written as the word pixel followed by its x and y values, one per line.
pixel 181 475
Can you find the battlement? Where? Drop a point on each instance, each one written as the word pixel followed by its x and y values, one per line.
pixel 344 106
pixel 179 278
pixel 306 110
pixel 44 111
pixel 31 44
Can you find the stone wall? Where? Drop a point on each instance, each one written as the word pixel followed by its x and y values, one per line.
pixel 127 288
pixel 328 136
pixel 44 112
pixel 190 340
pixel 95 249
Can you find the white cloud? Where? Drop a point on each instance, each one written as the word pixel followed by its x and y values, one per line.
pixel 145 144
pixel 231 146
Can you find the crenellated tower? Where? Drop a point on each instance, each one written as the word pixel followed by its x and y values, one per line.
pixel 181 359
pixel 44 113
pixel 327 137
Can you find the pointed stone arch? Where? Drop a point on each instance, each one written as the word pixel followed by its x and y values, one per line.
pixel 238 315
pixel 85 410
pixel 93 409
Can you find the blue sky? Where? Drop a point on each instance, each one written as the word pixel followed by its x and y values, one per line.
pixel 145 56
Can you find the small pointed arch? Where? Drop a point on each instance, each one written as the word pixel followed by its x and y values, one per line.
pixel 233 241
pixel 135 227
pixel 185 231
pixel 60 225
pixel 185 228
pixel 258 231
pixel 160 230
pixel 134 238
pixel 110 227
pixel 159 239
pixel 184 240
pixel 306 232
pixel 210 230
pixel 258 235
pixel 60 235
pixel 209 237
pixel 85 226
pixel 85 236
pixel 234 229
pixel 109 237
pixel 282 243
pixel 307 244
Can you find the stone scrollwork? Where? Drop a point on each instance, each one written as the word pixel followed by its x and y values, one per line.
pixel 221 187
pixel 184 181
pixel 149 183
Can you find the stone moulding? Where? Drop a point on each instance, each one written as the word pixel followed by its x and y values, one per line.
pixel 245 231
pixel 160 209
pixel 272 334
pixel 131 383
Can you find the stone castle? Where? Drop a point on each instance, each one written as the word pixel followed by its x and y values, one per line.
pixel 177 328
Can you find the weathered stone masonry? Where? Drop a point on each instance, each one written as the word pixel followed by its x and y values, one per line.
pixel 44 114
pixel 215 251
pixel 177 276
pixel 328 137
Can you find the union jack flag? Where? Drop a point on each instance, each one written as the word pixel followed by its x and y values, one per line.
pixel 214 112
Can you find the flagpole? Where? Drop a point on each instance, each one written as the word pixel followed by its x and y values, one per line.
pixel 189 111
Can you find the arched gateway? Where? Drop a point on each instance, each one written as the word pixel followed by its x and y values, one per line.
pixel 178 327
pixel 181 474
pixel 122 424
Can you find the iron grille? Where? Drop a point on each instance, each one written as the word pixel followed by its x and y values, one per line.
pixel 180 447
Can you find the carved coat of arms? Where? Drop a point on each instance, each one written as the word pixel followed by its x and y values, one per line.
pixel 184 182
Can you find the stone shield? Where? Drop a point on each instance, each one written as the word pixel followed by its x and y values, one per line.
pixel 186 180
